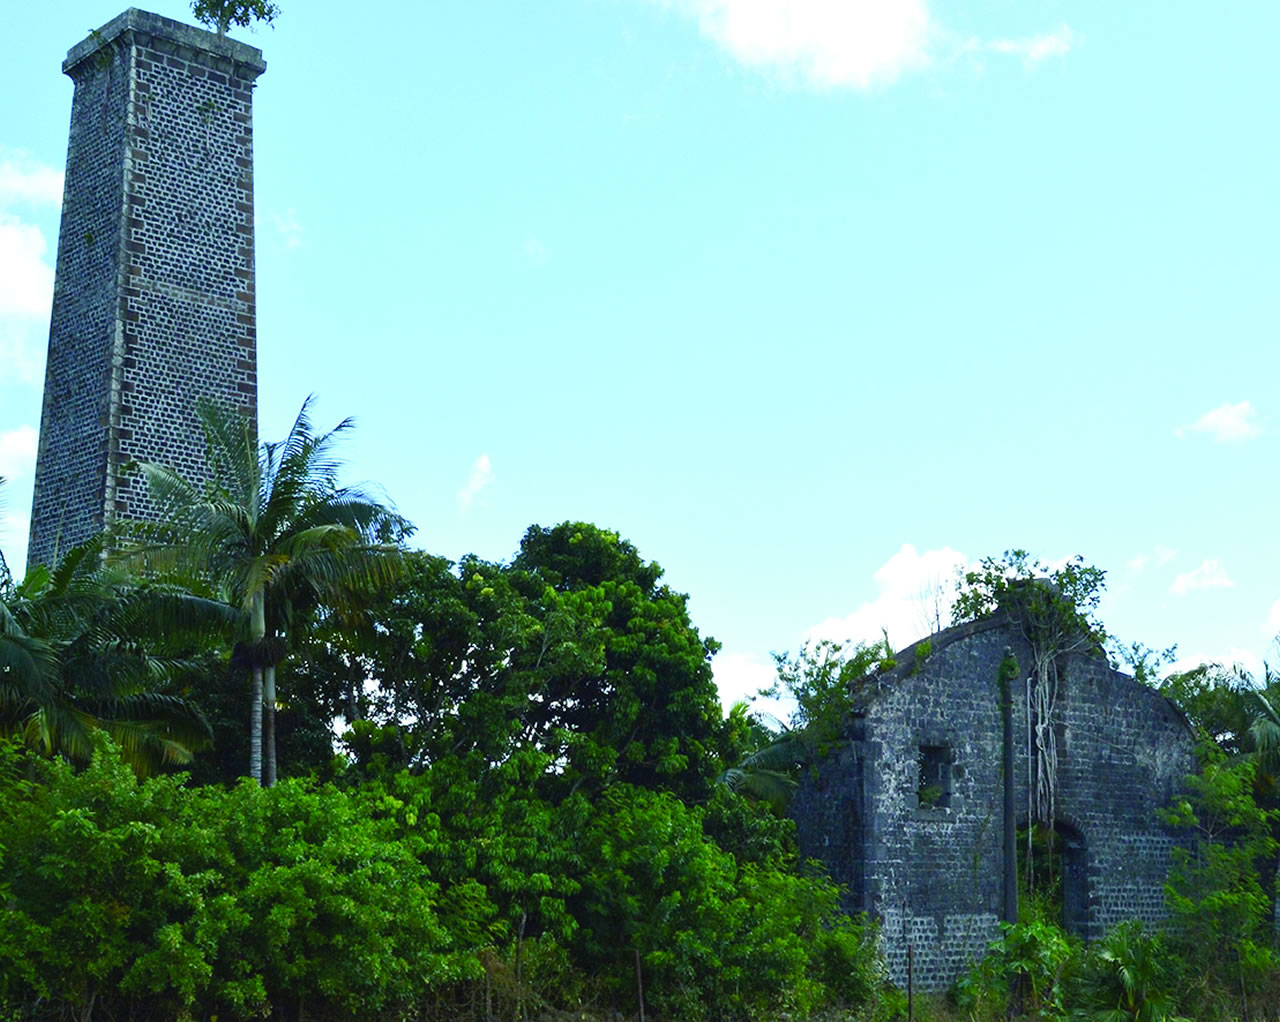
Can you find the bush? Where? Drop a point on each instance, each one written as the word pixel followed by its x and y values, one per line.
pixel 1026 970
pixel 147 899
pixel 1126 977
pixel 717 938
pixel 1220 914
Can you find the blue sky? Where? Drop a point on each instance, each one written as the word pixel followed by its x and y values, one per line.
pixel 813 301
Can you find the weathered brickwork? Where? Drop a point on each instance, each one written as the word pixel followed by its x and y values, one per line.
pixel 933 875
pixel 154 296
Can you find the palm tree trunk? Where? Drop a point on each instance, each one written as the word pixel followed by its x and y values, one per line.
pixel 255 727
pixel 257 631
pixel 269 726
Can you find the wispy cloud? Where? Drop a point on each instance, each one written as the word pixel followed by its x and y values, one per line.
pixel 288 228
pixel 1273 620
pixel 1159 555
pixel 536 251
pixel 858 44
pixel 1035 49
pixel 481 476
pixel 1226 424
pixel 1210 575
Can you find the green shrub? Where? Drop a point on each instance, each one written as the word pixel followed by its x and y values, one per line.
pixel 1220 923
pixel 149 899
pixel 1024 971
pixel 1126 977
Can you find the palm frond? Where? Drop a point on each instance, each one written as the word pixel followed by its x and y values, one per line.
pixel 1264 729
pixel 782 754
pixel 771 786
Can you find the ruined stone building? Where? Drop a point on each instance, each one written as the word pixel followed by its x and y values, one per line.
pixel 908 813
pixel 153 304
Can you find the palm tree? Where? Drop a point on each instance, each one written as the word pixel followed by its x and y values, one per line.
pixel 83 649
pixel 273 534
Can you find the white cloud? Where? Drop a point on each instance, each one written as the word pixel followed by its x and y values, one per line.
pixel 481 476
pixel 846 43
pixel 1273 620
pixel 740 676
pixel 915 598
pixel 1226 424
pixel 536 251
pixel 287 226
pixel 1035 49
pixel 26 277
pixel 26 280
pixel 17 452
pixel 1245 658
pixel 13 537
pixel 17 460
pixel 828 43
pixel 23 179
pixel 26 295
pixel 1210 575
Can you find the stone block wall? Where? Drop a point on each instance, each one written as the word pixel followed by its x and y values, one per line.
pixel 154 304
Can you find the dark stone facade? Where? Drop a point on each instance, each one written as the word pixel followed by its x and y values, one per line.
pixel 153 304
pixel 927 860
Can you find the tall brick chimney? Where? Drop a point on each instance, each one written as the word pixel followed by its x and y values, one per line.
pixel 153 302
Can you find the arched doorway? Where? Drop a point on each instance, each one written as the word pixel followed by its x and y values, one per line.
pixel 1055 875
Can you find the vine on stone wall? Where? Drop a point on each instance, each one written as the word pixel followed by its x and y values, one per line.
pixel 1057 612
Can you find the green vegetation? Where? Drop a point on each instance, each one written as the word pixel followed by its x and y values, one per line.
pixel 522 820
pixel 221 15
pixel 273 535
pixel 520 817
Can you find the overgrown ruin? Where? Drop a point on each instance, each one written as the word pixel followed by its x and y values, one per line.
pixel 908 812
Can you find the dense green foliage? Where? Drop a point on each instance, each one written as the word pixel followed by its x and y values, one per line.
pixel 151 899
pixel 521 819
pixel 575 648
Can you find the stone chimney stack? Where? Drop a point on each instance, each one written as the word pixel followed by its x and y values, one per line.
pixel 153 302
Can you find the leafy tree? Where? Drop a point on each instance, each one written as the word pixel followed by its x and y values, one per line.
pixel 1219 703
pixel 574 649
pixel 1066 607
pixel 274 534
pixel 715 937
pixel 1221 912
pixel 86 648
pixel 222 14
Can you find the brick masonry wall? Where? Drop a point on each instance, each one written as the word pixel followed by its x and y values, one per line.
pixel 154 301
pixel 933 875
